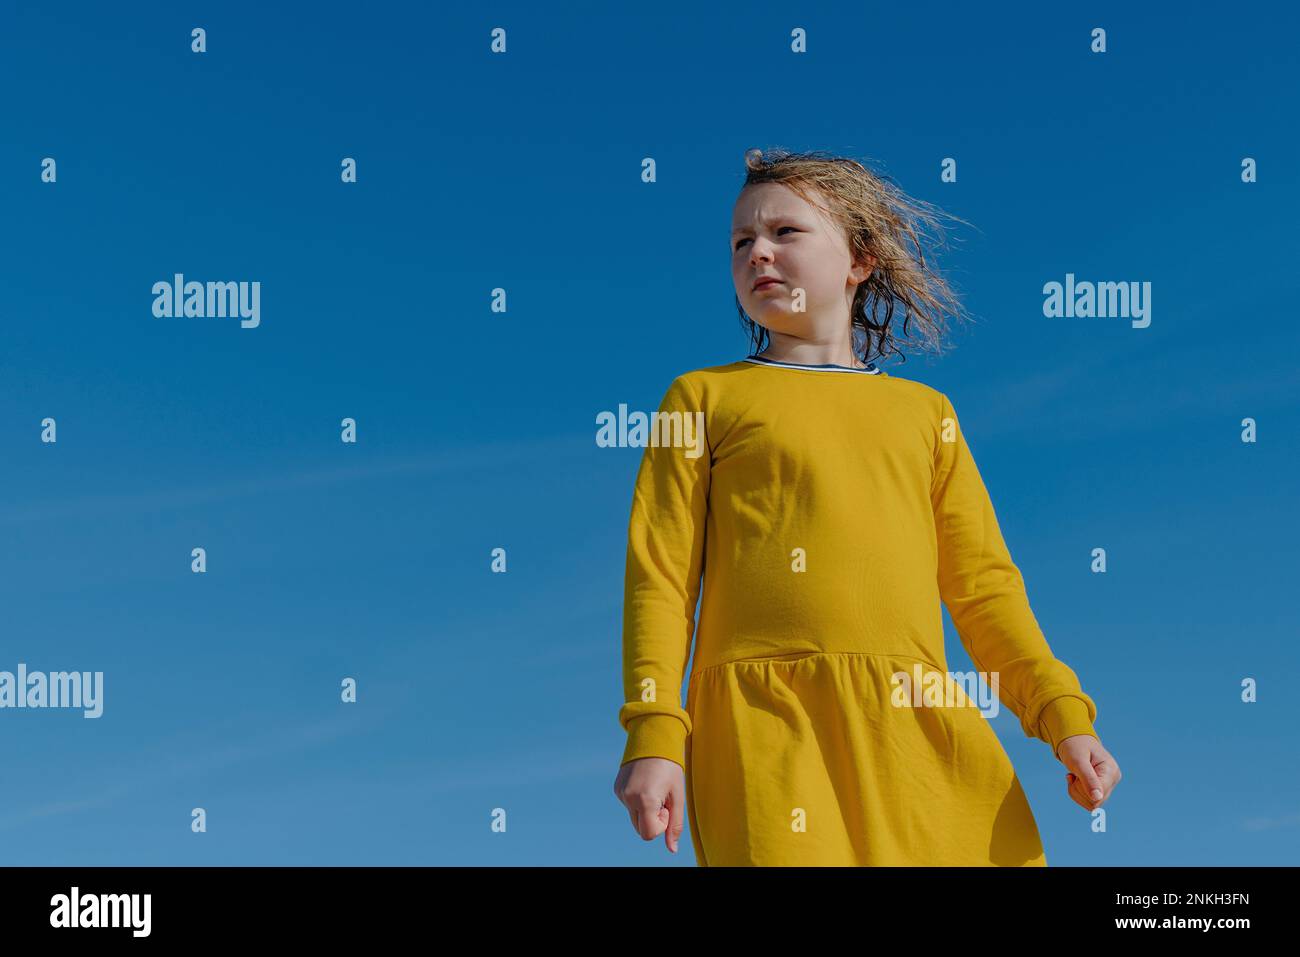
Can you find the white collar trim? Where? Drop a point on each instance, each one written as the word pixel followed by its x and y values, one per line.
pixel 871 368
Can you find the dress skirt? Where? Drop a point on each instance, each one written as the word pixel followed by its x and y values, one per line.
pixel 808 760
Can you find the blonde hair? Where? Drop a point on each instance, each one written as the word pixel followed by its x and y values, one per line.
pixel 879 221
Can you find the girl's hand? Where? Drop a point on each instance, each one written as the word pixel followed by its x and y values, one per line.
pixel 654 791
pixel 1094 772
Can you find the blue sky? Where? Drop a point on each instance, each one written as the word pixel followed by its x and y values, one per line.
pixel 476 429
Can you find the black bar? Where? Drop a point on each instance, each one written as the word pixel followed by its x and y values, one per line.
pixel 334 906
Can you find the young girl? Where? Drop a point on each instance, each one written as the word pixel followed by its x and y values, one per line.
pixel 832 510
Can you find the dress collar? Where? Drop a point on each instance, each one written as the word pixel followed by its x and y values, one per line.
pixel 871 368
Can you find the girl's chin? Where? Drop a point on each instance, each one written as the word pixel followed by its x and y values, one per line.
pixel 775 316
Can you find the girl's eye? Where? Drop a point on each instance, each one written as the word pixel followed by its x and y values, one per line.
pixel 741 242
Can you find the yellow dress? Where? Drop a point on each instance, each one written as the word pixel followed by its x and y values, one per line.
pixel 826 512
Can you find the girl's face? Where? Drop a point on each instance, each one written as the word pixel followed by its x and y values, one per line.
pixel 776 233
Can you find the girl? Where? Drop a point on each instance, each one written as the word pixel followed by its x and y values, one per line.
pixel 834 508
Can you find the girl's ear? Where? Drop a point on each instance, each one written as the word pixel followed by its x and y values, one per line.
pixel 862 270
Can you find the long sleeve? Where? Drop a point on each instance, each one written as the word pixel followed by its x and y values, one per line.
pixel 985 595
pixel 665 555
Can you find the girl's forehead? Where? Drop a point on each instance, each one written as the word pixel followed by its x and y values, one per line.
pixel 774 199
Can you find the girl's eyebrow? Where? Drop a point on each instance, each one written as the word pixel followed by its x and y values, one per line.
pixel 769 221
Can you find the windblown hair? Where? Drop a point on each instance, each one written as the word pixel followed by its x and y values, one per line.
pixel 878 220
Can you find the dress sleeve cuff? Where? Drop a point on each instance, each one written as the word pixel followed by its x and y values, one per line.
pixel 1063 717
pixel 656 736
